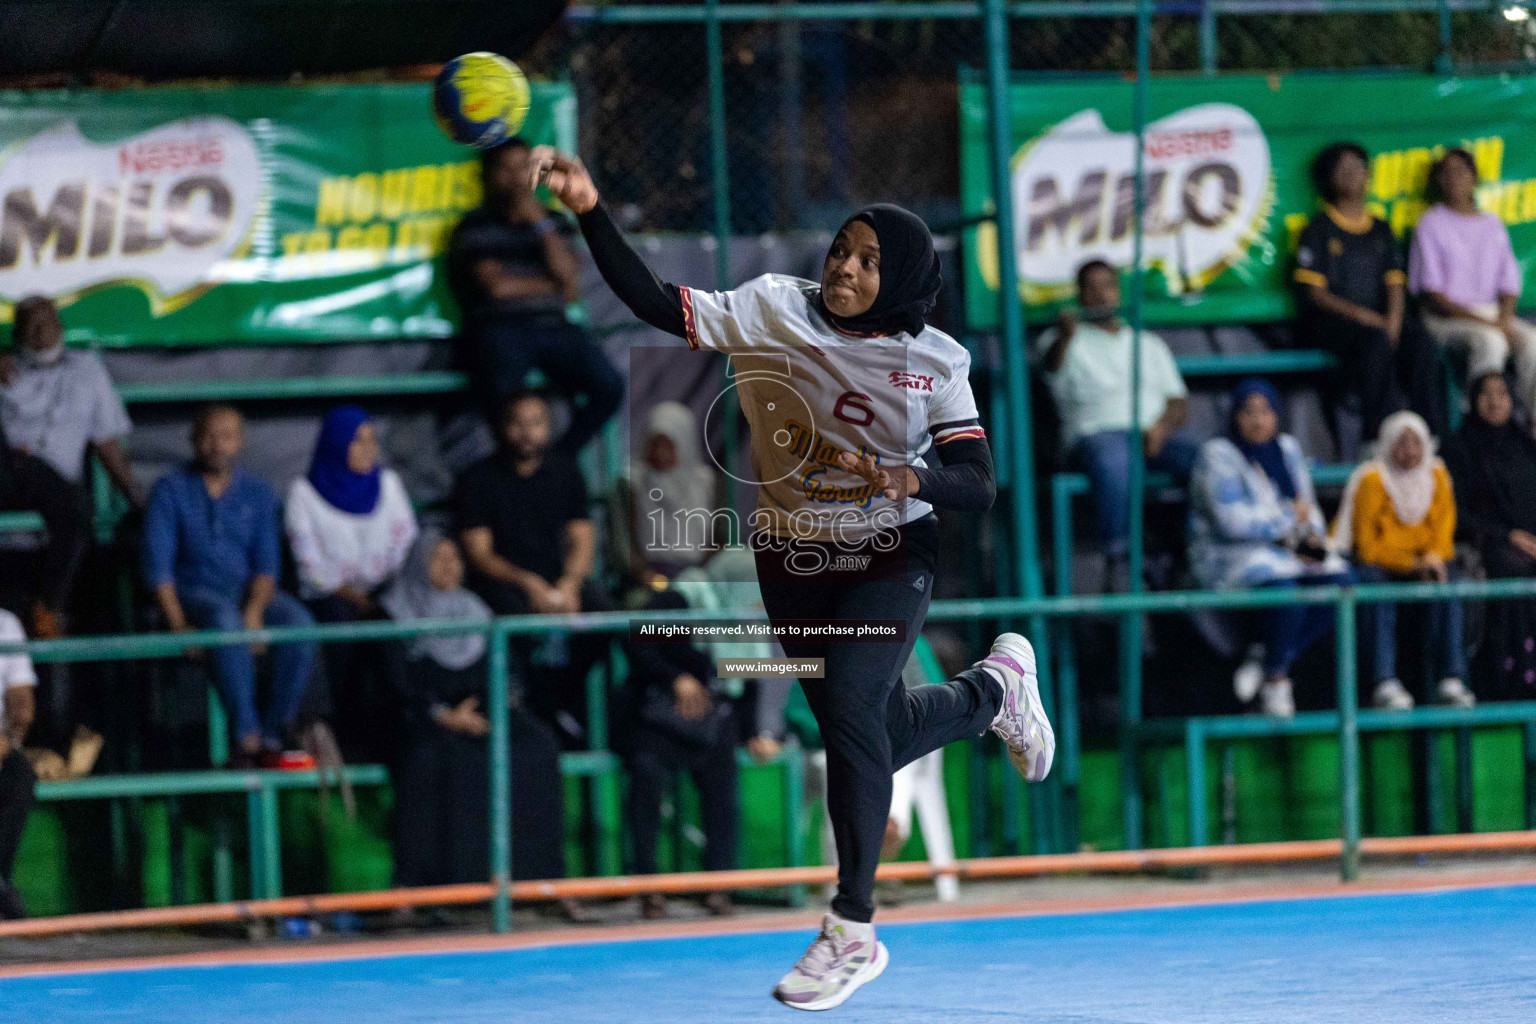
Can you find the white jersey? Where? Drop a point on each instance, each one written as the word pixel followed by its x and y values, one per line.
pixel 810 392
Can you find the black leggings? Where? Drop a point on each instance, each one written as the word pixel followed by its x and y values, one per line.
pixel 872 726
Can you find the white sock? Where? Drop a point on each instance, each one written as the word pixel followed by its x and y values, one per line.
pixel 855 929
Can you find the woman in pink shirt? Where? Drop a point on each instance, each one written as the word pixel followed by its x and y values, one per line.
pixel 1465 274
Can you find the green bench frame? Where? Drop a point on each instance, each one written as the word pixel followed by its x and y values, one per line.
pixel 1196 733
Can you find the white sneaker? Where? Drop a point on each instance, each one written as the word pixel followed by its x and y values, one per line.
pixel 1021 720
pixel 844 956
pixel 1276 699
pixel 1391 695
pixel 1249 675
pixel 1454 692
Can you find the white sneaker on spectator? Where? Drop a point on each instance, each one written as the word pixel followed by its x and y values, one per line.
pixel 1249 675
pixel 1391 695
pixel 1276 699
pixel 1454 693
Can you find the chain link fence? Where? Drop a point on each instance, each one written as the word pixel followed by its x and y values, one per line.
pixel 822 115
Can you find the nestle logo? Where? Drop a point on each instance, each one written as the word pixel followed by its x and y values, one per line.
pixel 914 381
pixel 152 157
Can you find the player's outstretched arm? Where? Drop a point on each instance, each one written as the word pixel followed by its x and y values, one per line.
pixel 651 299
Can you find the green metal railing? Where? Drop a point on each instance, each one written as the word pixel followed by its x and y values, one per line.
pixel 1128 607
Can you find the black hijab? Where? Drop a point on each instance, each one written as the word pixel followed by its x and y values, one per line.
pixel 1493 469
pixel 909 274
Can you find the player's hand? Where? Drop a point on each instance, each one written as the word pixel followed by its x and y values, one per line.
pixel 894 485
pixel 565 177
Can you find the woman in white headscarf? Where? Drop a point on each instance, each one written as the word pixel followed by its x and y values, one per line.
pixel 442 784
pixel 1398 518
pixel 674 495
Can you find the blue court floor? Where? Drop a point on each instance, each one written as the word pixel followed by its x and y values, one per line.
pixel 1466 956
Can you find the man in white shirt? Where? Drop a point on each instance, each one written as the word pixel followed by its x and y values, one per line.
pixel 18 683
pixel 1086 359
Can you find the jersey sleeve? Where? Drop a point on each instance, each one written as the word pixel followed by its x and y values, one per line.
pixel 1311 249
pixel 952 413
pixel 733 320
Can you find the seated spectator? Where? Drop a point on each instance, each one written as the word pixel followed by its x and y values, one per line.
pixel 442 788
pixel 523 523
pixel 350 524
pixel 58 404
pixel 1492 462
pixel 513 275
pixel 1088 367
pixel 674 494
pixel 1351 281
pixel 1398 518
pixel 18 684
pixel 1466 276
pixel 1254 522
pixel 680 720
pixel 211 541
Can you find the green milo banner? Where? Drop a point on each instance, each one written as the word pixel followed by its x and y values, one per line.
pixel 1226 179
pixel 245 213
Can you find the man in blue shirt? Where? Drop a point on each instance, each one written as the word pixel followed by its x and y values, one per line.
pixel 211 557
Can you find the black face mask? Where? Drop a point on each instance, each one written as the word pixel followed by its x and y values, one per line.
pixel 909 274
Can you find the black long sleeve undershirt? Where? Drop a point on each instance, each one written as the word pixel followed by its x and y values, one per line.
pixel 965 482
pixel 648 297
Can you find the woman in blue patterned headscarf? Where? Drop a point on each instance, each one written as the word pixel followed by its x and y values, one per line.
pixel 1254 522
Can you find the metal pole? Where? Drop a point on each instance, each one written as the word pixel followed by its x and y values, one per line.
pixel 720 184
pixel 1349 732
pixel 496 667
pixel 790 106
pixel 1444 63
pixel 1027 578
pixel 1130 625
pixel 1208 37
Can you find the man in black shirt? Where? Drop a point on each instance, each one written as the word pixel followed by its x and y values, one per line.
pixel 523 523
pixel 1349 270
pixel 513 275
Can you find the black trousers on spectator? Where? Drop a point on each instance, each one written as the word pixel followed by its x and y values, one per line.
pixel 16 789
pixel 27 483
pixel 655 756
pixel 871 724
pixel 442 805
pixel 503 351
pixel 355 699
pixel 558 694
pixel 1385 376
pixel 1506 660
